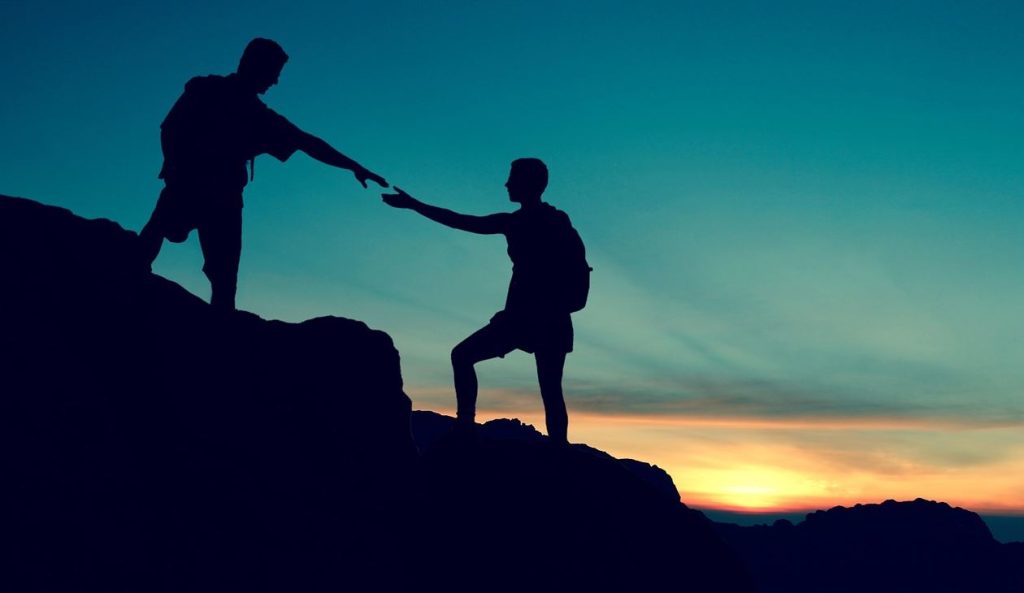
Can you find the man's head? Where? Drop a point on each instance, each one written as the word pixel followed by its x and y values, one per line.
pixel 527 180
pixel 261 64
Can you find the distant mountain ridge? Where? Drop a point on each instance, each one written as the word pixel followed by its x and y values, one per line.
pixel 894 546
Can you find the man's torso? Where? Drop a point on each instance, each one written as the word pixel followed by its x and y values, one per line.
pixel 214 128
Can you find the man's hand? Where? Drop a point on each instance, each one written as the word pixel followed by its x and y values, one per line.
pixel 362 174
pixel 399 199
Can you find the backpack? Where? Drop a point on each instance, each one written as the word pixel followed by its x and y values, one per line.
pixel 570 277
pixel 549 262
pixel 206 135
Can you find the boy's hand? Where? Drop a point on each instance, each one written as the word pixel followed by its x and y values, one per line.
pixel 399 199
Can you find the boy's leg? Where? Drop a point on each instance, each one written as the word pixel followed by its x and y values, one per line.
pixel 549 374
pixel 486 343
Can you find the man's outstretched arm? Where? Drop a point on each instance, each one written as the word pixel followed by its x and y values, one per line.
pixel 484 225
pixel 327 154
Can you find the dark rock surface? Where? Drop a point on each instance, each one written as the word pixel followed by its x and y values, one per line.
pixel 533 515
pixel 158 445
pixel 152 445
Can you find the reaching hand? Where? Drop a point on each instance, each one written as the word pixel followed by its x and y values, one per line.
pixel 399 199
pixel 362 174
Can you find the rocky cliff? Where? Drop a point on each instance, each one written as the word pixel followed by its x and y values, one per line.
pixel 155 442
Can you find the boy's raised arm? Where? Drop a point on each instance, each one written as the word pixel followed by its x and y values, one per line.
pixel 483 225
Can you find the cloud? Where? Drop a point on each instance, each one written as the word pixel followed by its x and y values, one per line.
pixel 725 398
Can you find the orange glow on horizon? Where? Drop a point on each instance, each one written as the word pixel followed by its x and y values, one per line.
pixel 786 465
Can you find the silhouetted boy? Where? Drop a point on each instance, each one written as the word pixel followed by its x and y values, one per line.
pixel 218 125
pixel 536 317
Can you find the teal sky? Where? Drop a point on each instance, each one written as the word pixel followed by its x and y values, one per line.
pixel 795 210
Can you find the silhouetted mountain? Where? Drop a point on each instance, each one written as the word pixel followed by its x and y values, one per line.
pixel 893 546
pixel 156 445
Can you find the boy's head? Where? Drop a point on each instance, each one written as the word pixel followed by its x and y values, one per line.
pixel 527 179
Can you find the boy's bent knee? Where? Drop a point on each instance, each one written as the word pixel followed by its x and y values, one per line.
pixel 461 356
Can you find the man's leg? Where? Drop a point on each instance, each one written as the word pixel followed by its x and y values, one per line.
pixel 150 241
pixel 151 237
pixel 486 343
pixel 220 237
pixel 549 374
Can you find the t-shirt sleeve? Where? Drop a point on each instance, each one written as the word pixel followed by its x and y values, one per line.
pixel 276 135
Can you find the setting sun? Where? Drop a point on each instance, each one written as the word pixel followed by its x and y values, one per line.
pixel 759 465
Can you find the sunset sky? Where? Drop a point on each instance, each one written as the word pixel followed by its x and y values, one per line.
pixel 806 219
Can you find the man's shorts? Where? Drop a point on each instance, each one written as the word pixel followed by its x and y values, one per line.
pixel 217 216
pixel 180 210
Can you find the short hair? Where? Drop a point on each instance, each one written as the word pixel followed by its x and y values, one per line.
pixel 533 172
pixel 261 55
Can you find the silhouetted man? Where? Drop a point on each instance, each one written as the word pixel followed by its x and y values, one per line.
pixel 536 317
pixel 218 125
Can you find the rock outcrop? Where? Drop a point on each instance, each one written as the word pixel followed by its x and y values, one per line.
pixel 513 511
pixel 157 443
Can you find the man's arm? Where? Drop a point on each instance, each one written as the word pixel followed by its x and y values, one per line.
pixel 327 154
pixel 483 225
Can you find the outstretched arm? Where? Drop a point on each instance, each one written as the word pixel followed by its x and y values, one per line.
pixel 484 225
pixel 327 154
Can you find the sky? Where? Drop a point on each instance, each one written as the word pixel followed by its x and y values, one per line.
pixel 804 218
